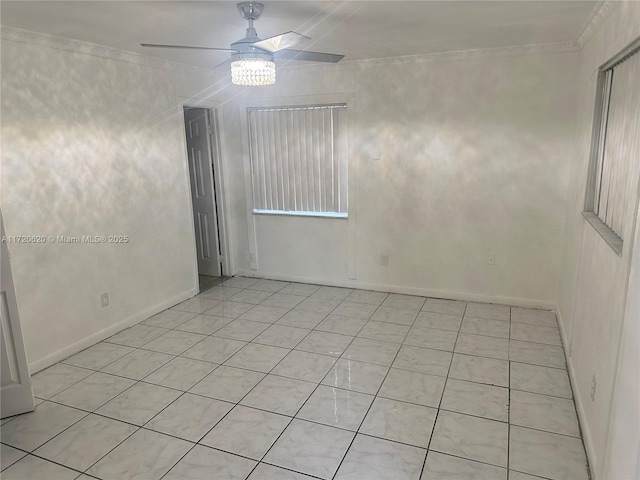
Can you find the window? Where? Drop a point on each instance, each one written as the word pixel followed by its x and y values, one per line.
pixel 615 145
pixel 298 160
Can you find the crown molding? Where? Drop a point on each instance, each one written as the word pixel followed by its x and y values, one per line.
pixel 516 50
pixel 599 14
pixel 76 46
pixel 86 48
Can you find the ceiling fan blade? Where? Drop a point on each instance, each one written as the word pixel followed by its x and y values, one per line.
pixel 308 56
pixel 219 67
pixel 156 45
pixel 282 41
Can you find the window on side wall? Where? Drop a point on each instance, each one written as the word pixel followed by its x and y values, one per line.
pixel 615 146
pixel 299 160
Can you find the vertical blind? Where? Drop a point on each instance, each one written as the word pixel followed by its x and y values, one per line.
pixel 299 159
pixel 619 146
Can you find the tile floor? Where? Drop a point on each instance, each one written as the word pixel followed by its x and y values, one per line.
pixel 207 281
pixel 262 379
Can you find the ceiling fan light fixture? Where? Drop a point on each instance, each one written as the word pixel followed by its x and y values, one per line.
pixel 252 57
pixel 253 72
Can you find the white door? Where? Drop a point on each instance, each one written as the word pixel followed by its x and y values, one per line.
pixel 198 128
pixel 15 394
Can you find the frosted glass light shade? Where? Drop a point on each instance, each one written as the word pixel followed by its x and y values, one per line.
pixel 253 72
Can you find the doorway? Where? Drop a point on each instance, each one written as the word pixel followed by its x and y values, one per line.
pixel 203 158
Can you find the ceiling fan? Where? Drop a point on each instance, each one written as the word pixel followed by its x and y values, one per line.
pixel 252 58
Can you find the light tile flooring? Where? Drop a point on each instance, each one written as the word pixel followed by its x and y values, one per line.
pixel 263 379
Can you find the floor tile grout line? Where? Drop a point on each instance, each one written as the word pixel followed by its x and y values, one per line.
pixel 138 427
pixel 280 361
pixel 205 434
pixel 88 414
pixel 193 315
pixel 444 388
pixel 283 468
pixel 88 368
pixel 85 378
pixel 145 382
pixel 530 474
pixel 68 386
pixel 491 419
pixel 144 379
pixel 94 412
pixel 180 355
pixel 292 349
pixel 536 343
pixel 62 431
pixel 80 472
pixel 310 395
pixel 509 404
pixel 294 416
pixel 179 460
pixel 370 406
pixel 545 431
pixel 248 392
pixel 145 376
pixel 470 459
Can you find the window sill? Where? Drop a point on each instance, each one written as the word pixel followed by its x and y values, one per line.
pixel 337 215
pixel 608 235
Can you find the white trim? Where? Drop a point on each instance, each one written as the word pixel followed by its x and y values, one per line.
pixel 610 237
pixel 248 185
pixel 61 43
pixel 220 194
pixel 198 102
pixel 518 50
pixel 86 48
pixel 423 292
pixel 185 164
pixel 599 14
pixel 228 252
pixel 111 330
pixel 301 213
pixel 352 188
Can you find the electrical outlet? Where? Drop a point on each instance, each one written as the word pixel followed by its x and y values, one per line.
pixel 384 260
pixel 593 388
pixel 104 298
pixel 491 260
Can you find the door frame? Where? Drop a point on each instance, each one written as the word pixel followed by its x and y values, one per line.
pixel 219 184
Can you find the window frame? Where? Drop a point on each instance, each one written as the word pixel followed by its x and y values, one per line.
pixel 342 100
pixel 600 120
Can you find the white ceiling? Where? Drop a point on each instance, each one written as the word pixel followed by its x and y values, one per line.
pixel 359 30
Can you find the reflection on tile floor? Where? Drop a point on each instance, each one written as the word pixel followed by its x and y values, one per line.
pixel 262 379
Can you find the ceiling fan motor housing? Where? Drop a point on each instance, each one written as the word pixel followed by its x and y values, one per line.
pixel 250 10
pixel 245 48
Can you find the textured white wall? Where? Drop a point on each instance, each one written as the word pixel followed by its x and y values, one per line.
pixel 92 146
pixel 593 286
pixel 457 158
pixel 622 458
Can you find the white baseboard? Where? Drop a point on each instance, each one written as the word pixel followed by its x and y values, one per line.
pixel 86 342
pixel 587 438
pixel 424 292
